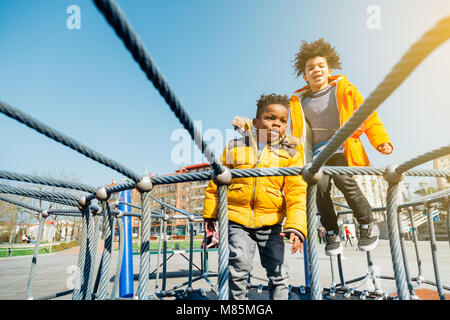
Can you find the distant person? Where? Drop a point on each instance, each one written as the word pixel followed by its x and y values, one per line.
pixel 258 206
pixel 348 236
pixel 24 238
pixel 212 240
pixel 318 110
pixel 321 234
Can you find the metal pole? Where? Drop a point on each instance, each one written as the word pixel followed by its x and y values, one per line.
pixel 93 234
pixel 119 259
pixel 394 242
pixel 108 227
pixel 145 247
pixel 333 282
pixel 404 256
pixel 14 232
pixel 313 259
pixel 415 241
pixel 79 281
pixel 126 284
pixel 341 274
pixel 224 250
pixel 373 275
pixel 205 253
pixel 159 251
pixel 305 263
pixel 191 252
pixel 434 251
pixel 447 205
pixel 164 279
pixel 35 255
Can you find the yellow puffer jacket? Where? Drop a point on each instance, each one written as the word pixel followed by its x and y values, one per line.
pixel 262 201
pixel 348 100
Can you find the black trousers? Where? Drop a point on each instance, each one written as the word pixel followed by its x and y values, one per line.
pixel 352 193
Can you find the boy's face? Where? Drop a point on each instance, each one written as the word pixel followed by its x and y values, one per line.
pixel 317 73
pixel 272 123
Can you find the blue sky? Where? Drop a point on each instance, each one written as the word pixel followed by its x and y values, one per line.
pixel 218 57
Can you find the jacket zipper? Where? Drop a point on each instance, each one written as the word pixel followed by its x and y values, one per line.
pixel 254 189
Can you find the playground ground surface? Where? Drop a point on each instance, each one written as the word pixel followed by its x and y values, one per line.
pixel 53 273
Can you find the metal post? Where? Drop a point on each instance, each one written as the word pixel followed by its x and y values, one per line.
pixel 333 282
pixel 164 279
pixel 405 257
pixel 119 259
pixel 415 240
pixel 224 250
pixel 434 250
pixel 52 235
pixel 108 227
pixel 14 232
pixel 126 287
pixel 35 255
pixel 191 252
pixel 313 259
pixel 373 275
pixel 341 274
pixel 447 205
pixel 394 242
pixel 145 247
pixel 93 234
pixel 159 250
pixel 79 275
pixel 305 263
pixel 205 255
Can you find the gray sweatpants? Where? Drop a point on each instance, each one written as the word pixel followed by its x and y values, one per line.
pixel 242 244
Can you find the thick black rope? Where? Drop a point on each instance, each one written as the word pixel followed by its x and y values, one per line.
pixel 58 197
pixel 40 127
pixel 45 181
pixel 123 29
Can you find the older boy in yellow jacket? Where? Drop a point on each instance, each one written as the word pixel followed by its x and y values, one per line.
pixel 317 111
pixel 258 206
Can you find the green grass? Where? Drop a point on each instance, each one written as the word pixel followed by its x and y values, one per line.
pixel 42 250
pixel 170 246
pixel 182 245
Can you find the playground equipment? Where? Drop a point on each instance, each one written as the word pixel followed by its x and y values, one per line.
pixel 93 217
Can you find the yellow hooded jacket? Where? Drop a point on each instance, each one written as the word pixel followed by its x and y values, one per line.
pixel 262 201
pixel 348 100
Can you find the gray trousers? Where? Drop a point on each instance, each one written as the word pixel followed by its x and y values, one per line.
pixel 242 243
pixel 352 193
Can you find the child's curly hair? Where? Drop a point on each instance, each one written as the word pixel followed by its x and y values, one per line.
pixel 268 99
pixel 318 48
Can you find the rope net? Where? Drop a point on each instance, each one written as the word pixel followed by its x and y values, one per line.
pixel 94 220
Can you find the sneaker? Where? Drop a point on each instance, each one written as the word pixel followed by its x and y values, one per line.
pixel 333 244
pixel 368 236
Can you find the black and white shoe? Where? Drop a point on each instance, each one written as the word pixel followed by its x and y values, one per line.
pixel 333 245
pixel 368 236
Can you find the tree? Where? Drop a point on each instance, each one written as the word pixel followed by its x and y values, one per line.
pixel 426 191
pixel 11 216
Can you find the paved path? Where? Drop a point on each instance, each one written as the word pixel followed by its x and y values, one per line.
pixel 53 271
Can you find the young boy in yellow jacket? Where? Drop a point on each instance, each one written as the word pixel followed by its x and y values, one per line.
pixel 258 206
pixel 317 111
